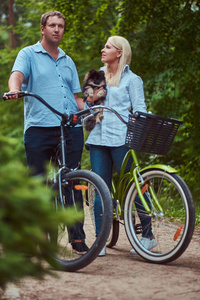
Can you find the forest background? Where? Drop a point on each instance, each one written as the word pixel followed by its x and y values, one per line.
pixel 165 40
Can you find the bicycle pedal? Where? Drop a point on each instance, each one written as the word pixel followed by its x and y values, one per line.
pixel 138 228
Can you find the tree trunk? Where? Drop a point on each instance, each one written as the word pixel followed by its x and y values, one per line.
pixel 11 23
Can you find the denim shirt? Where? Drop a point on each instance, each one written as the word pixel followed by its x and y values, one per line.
pixel 54 80
pixel 129 95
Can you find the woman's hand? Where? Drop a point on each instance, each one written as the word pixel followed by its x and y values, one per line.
pixel 95 96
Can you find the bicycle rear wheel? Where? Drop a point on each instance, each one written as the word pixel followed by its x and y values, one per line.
pixel 172 226
pixel 114 234
pixel 82 182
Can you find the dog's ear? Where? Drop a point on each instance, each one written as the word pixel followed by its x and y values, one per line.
pixel 93 72
pixel 102 75
pixel 86 76
pixel 89 74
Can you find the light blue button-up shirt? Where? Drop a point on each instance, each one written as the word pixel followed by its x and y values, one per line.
pixel 54 80
pixel 128 95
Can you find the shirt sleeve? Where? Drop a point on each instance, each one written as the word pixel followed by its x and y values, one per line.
pixel 136 93
pixel 22 63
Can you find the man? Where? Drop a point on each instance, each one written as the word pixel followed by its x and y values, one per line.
pixel 46 70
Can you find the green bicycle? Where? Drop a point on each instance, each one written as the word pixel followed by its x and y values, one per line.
pixel 155 192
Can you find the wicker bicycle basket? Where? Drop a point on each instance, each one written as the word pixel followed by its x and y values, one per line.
pixel 151 133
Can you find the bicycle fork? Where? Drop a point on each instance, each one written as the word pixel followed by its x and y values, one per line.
pixel 141 189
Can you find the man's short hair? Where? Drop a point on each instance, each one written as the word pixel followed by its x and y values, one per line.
pixel 48 14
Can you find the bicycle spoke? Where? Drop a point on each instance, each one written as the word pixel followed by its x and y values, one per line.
pixel 171 220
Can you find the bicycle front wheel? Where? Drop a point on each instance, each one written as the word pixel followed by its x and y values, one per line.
pixel 171 220
pixel 79 187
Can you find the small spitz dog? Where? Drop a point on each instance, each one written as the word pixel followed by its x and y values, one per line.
pixel 94 80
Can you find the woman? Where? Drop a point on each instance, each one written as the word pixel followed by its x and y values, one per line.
pixel 106 141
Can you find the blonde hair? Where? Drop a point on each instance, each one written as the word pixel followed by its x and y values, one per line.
pixel 122 44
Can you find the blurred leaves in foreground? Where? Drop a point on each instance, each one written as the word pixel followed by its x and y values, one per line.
pixel 26 215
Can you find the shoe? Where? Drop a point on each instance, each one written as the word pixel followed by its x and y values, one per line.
pixel 146 243
pixel 102 252
pixel 80 247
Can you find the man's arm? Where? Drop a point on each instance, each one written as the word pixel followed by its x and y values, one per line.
pixel 79 102
pixel 15 82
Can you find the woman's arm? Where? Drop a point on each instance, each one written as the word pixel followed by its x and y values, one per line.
pixel 136 93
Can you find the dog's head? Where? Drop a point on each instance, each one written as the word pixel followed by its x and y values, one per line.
pixel 95 79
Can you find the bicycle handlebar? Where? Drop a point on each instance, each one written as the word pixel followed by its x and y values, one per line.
pixel 23 94
pixel 72 119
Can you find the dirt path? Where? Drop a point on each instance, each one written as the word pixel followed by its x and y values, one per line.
pixel 121 276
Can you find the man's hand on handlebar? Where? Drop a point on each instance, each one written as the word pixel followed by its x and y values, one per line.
pixel 13 95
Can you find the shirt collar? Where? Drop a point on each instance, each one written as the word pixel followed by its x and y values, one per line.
pixel 126 68
pixel 38 48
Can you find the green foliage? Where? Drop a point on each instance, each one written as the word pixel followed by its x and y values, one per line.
pixel 165 39
pixel 27 27
pixel 26 215
pixel 11 112
pixel 7 58
pixel 88 25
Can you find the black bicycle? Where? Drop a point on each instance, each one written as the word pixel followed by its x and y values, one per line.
pixel 74 186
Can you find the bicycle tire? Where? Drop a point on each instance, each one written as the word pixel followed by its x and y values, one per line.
pixel 66 258
pixel 173 228
pixel 114 234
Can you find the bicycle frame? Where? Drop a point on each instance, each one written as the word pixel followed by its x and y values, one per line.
pixel 122 185
pixel 119 190
pixel 136 194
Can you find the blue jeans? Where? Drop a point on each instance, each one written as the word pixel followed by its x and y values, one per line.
pixel 103 159
pixel 41 144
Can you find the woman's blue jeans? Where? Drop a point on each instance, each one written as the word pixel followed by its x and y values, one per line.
pixel 103 159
